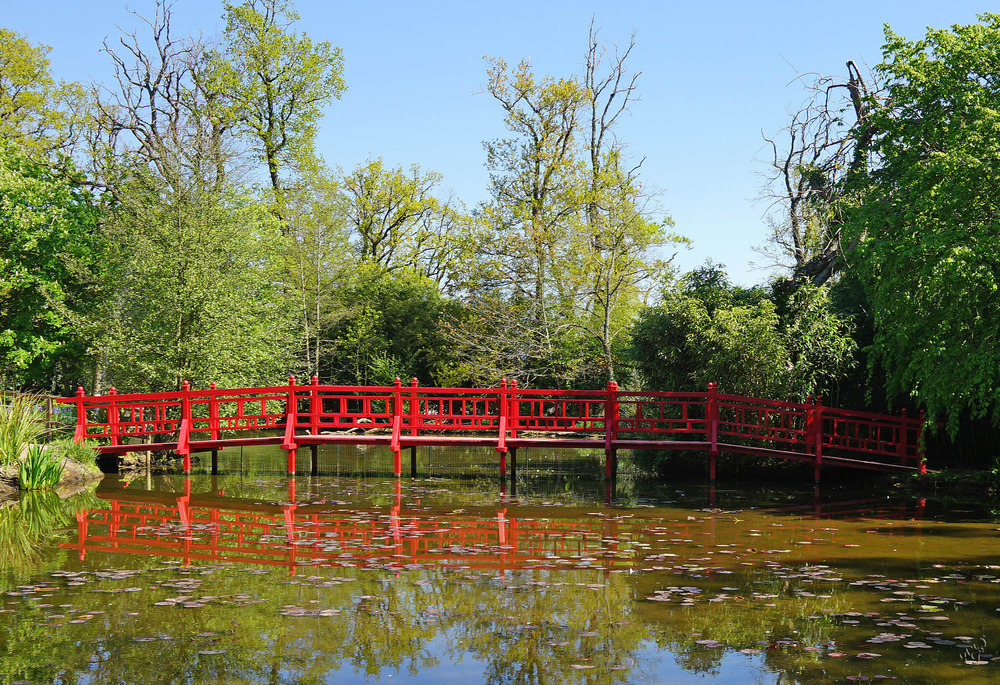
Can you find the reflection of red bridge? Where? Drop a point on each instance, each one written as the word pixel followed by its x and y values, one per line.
pixel 215 528
pixel 504 418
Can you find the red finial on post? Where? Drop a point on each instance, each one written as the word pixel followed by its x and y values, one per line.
pixel 185 386
pixel 79 391
pixel 291 379
pixel 503 382
pixel 314 380
pixel 414 382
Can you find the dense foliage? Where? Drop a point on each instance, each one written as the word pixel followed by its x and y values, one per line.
pixel 925 219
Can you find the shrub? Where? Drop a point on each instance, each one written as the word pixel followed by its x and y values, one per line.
pixel 80 452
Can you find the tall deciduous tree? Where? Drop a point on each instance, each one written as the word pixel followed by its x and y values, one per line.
pixel 192 263
pixel 277 82
pixel 926 220
pixel 534 175
pixel 827 138
pixel 318 256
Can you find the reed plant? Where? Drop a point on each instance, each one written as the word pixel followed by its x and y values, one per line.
pixel 21 424
pixel 41 468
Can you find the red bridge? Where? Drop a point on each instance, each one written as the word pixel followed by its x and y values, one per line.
pixel 505 418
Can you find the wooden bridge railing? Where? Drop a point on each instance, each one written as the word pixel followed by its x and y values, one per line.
pixel 506 417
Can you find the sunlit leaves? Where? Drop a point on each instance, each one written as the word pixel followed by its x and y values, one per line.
pixel 927 216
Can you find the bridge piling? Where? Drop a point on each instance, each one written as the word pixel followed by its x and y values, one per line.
pixel 413 461
pixel 313 460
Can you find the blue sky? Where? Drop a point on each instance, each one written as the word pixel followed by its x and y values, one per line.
pixel 714 75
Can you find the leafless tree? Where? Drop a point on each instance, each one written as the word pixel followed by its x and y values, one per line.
pixel 610 92
pixel 160 110
pixel 827 138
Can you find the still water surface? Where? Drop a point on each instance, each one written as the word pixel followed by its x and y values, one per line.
pixel 250 576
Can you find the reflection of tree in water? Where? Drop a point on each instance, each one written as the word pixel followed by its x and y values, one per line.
pixel 536 627
pixel 27 523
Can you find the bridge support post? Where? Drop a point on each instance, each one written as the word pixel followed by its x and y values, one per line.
pixel 397 417
pixel 503 466
pixel 815 431
pixel 712 427
pixel 611 431
pixel 313 460
pixel 291 414
pixel 513 466
pixel 215 462
pixel 413 461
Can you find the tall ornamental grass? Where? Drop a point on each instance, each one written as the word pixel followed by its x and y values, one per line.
pixel 21 424
pixel 40 469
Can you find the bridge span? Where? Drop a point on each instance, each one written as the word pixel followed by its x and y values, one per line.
pixel 505 418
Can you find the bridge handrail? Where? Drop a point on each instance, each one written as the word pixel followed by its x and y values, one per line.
pixel 805 428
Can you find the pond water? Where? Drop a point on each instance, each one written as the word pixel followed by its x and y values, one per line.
pixel 250 576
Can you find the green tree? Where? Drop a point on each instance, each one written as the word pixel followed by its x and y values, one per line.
pixel 397 222
pixel 276 82
pixel 534 176
pixel 707 329
pixel 47 224
pixel 191 267
pixel 385 324
pixel 37 112
pixel 192 288
pixel 925 219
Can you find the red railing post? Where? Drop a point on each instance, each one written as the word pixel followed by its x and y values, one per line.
pixel 80 434
pixel 513 410
pixel 184 437
pixel 712 426
pixel 113 416
pixel 414 406
pixel 502 409
pixel 901 435
pixel 397 419
pixel 610 430
pixel 315 406
pixel 213 410
pixel 291 413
